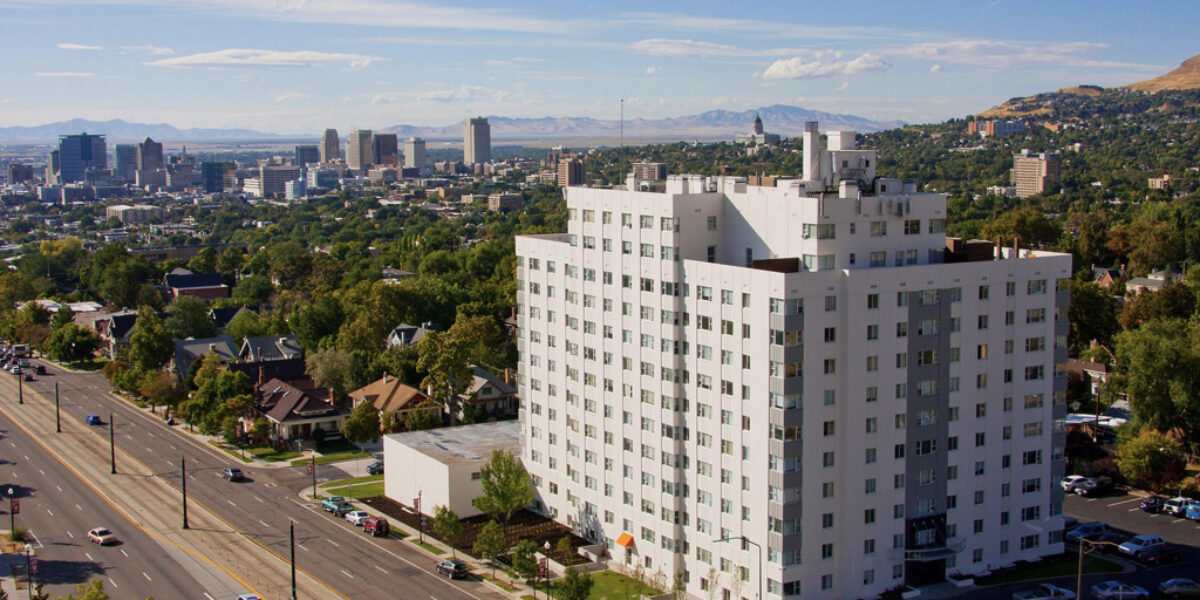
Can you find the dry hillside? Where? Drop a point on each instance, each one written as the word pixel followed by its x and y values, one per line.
pixel 1186 77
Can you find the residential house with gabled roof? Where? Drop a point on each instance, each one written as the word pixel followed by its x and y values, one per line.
pixel 221 317
pixel 188 351
pixel 271 357
pixel 1108 276
pixel 390 395
pixel 491 396
pixel 181 282
pixel 408 335
pixel 295 409
pixel 114 330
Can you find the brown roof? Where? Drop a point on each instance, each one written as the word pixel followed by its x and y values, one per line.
pixel 389 394
pixel 282 401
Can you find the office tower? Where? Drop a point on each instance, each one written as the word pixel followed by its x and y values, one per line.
pixel 53 165
pixel 385 149
pixel 477 141
pixel 1034 174
pixel 331 148
pixel 19 173
pixel 570 171
pixel 215 176
pixel 77 154
pixel 274 178
pixel 150 155
pixel 307 154
pixel 359 151
pixel 805 389
pixel 127 162
pixel 414 153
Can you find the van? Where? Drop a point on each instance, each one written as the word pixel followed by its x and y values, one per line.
pixel 1175 506
pixel 376 526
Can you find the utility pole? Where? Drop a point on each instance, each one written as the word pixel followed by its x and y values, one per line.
pixel 312 470
pixel 57 413
pixel 21 388
pixel 112 445
pixel 292 546
pixel 420 519
pixel 183 480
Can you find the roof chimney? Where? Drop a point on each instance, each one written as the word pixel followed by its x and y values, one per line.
pixel 262 374
pixel 385 376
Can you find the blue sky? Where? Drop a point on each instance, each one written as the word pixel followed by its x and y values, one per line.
pixel 298 66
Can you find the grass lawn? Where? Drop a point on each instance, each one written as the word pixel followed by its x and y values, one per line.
pixel 430 548
pixel 1065 564
pixel 354 480
pixel 236 454
pixel 609 585
pixel 331 458
pixel 91 364
pixel 500 582
pixel 365 490
pixel 271 454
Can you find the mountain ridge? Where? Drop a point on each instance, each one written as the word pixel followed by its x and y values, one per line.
pixel 1185 77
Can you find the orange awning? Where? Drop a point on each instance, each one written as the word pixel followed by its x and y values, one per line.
pixel 625 540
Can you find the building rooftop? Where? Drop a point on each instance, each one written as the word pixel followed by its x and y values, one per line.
pixel 465 444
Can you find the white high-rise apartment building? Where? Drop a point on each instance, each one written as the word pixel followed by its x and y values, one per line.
pixel 804 389
pixel 414 153
pixel 360 152
pixel 477 141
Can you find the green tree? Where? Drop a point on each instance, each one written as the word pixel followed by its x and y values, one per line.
pixel 261 431
pixel 329 369
pixel 490 543
pixel 317 321
pixel 523 560
pixel 1093 315
pixel 253 290
pixel 417 420
pixel 247 323
pixel 1152 460
pixel 71 343
pixel 445 362
pixel 215 386
pixel 1158 366
pixel 1173 301
pixel 150 344
pixel 481 336
pixel 362 425
pixel 564 548
pixel 161 389
pixel 448 527
pixel 62 316
pixel 204 261
pixel 506 487
pixel 187 317
pixel 230 264
pixel 574 585
pixel 1029 224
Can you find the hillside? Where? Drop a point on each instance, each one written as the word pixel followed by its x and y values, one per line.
pixel 1186 77
pixel 1035 105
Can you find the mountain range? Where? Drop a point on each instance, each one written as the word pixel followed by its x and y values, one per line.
pixel 787 121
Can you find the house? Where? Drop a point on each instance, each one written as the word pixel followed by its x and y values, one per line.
pixel 114 330
pixel 1107 277
pixel 390 395
pixel 222 316
pixel 441 466
pixel 295 409
pixel 408 335
pixel 1153 282
pixel 271 357
pixel 182 282
pixel 492 397
pixel 1096 373
pixel 191 350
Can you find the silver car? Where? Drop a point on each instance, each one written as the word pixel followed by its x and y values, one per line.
pixel 1180 588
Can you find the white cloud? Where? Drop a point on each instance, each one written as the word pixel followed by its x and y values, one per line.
pixel 290 96
pixel 845 84
pixel 669 47
pixel 70 46
pixel 762 28
pixel 240 57
pixel 464 93
pixel 935 69
pixel 149 48
pixel 651 70
pixel 64 74
pixel 1000 54
pixel 825 65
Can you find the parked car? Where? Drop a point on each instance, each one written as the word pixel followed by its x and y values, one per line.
pixel 28 376
pixel 1070 523
pixel 1139 543
pixel 1153 504
pixel 248 597
pixel 1094 487
pixel 94 420
pixel 1192 510
pixel 41 369
pixel 1088 531
pixel 1045 591
pixel 233 474
pixel 1116 590
pixel 102 536
pixel 336 505
pixel 454 569
pixel 1180 587
pixel 357 516
pixel 377 526
pixel 1176 506
pixel 1070 481
pixel 375 468
pixel 1160 554
pixel 1111 540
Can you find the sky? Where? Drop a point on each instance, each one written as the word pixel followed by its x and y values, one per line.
pixel 299 66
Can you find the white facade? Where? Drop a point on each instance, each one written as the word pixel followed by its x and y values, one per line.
pixel 862 391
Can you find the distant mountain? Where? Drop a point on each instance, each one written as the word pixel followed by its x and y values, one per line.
pixel 787 121
pixel 117 130
pixel 1186 77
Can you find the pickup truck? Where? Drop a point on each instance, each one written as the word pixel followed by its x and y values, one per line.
pixel 336 505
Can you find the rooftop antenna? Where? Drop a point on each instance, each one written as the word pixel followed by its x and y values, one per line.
pixel 621 156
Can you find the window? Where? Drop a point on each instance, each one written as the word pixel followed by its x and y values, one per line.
pixel 902 329
pixel 872 301
pixel 912 227
pixel 872 332
pixel 712 223
pixel 878 228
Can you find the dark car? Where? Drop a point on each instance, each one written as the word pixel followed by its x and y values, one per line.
pixel 41 369
pixel 1160 554
pixel 1111 540
pixel 94 420
pixel 454 569
pixel 1153 504
pixel 233 474
pixel 375 468
pixel 1095 487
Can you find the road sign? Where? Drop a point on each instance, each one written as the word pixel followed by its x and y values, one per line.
pixel 16 507
pixel 542 568
pixel 308 468
pixel 33 566
pixel 417 504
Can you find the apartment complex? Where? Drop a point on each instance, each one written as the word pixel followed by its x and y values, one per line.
pixel 1034 174
pixel 477 141
pixel 799 390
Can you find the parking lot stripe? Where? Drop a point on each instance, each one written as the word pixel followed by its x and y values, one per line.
pixel 1125 501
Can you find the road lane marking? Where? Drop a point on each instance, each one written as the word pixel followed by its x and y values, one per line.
pixel 59 487
pixel 264 523
pixel 50 512
pixel 70 535
pixel 114 584
pixel 260 499
pixel 129 436
pixel 230 502
pixel 1124 502
pixel 301 546
pixel 123 553
pixel 78 507
pixel 347 574
pixel 334 543
pixel 209 597
pixel 146 576
pixel 27 458
pixel 149 449
pixel 42 472
pixel 381 569
pixel 89 555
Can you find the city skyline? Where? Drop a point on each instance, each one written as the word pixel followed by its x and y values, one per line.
pixel 295 67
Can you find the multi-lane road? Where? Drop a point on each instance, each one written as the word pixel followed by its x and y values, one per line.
pixel 346 563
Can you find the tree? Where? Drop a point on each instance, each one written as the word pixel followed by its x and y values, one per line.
pixel 329 369
pixel 490 543
pixel 160 389
pixel 188 318
pixel 1151 460
pixel 574 585
pixel 481 336
pixel 247 323
pixel 416 420
pixel 261 431
pixel 204 261
pixel 1158 366
pixel 506 486
pixel 150 345
pixel 447 526
pixel 362 425
pixel 207 407
pixel 1029 224
pixel 1173 301
pixel 71 343
pixel 61 317
pixel 445 362
pixel 1093 315
pixel 565 549
pixel 523 560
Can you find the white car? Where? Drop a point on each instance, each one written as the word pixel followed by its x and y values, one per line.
pixel 102 536
pixel 357 516
pixel 1137 543
pixel 1117 590
pixel 1044 591
pixel 1176 506
pixel 248 597
pixel 1071 481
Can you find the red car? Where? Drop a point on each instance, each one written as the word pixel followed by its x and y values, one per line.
pixel 1159 554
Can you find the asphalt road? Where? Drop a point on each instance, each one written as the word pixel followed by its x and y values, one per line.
pixel 58 509
pixel 263 507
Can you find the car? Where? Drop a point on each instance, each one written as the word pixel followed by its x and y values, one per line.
pixel 1111 540
pixel 1176 506
pixel 1094 487
pixel 375 468
pixel 1192 510
pixel 1116 590
pixel 248 597
pixel 28 376
pixel 1152 504
pixel 94 420
pixel 102 536
pixel 1070 523
pixel 1070 481
pixel 357 516
pixel 1139 543
pixel 41 369
pixel 1044 591
pixel 1180 587
pixel 16 370
pixel 233 474
pixel 1160 554
pixel 336 505
pixel 376 526
pixel 454 569
pixel 1088 531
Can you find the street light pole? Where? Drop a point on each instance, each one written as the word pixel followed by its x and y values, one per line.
pixel 112 445
pixel 183 480
pixel 21 388
pixel 57 413
pixel 292 546
pixel 29 570
pixel 12 516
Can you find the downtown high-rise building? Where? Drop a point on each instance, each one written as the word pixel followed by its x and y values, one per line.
pixel 331 148
pixel 150 155
pixel 477 141
pixel 360 150
pixel 802 390
pixel 126 167
pixel 77 154
pixel 385 149
pixel 414 153
pixel 307 154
